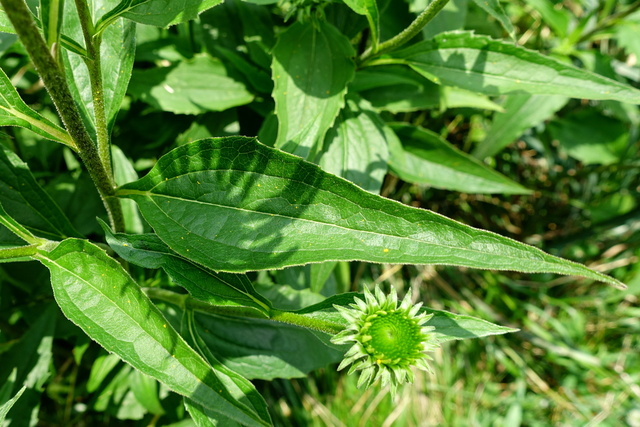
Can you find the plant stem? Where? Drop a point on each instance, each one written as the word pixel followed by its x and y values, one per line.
pixel 20 251
pixel 408 33
pixel 187 302
pixel 54 80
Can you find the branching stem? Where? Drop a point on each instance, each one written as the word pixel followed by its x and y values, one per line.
pixel 54 80
pixel 407 34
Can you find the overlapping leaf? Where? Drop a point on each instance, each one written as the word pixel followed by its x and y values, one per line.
pixel 481 64
pixel 233 204
pixel 95 292
pixel 424 157
pixel 311 68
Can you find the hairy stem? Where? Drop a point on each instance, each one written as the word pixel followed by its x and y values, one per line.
pixel 93 63
pixel 54 81
pixel 408 33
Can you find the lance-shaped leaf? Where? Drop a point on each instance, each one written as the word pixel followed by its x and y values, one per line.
pixel 219 289
pixel 233 204
pixel 22 197
pixel 493 8
pixel 494 67
pixel 424 157
pixel 311 68
pixel 163 13
pixel 14 112
pixel 448 326
pixel 117 51
pixel 97 294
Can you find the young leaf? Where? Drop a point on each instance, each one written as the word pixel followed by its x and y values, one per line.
pixel 368 8
pixel 355 148
pixel 14 112
pixel 311 68
pixel 521 113
pixel 219 289
pixel 233 204
pixel 425 158
pixel 494 67
pixel 22 197
pixel 182 89
pixel 97 294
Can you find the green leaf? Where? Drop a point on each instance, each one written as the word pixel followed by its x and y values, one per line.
pixel 521 113
pixel 493 8
pixel 51 13
pixel 558 18
pixel 190 87
pixel 22 197
pixel 123 172
pixel 30 358
pixel 425 158
pixel 164 13
pixel 368 8
pixel 233 204
pixel 263 349
pixel 117 51
pixel 480 64
pixel 8 404
pixel 591 137
pixel 355 148
pixel 218 289
pixel 448 326
pixel 95 292
pixel 238 386
pixel 14 112
pixel 311 68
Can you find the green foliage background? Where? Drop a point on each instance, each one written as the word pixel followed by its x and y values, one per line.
pixel 545 153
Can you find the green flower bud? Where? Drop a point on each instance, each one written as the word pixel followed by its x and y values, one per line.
pixel 387 339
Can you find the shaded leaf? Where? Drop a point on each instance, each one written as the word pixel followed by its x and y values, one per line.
pixel 215 288
pixel 521 113
pixel 425 158
pixel 311 68
pixel 481 64
pixel 22 197
pixel 493 8
pixel 244 206
pixel 163 13
pixel 355 148
pixel 190 87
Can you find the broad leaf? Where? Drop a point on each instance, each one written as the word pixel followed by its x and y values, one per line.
pixel 311 68
pixel 14 112
pixel 124 172
pixel 425 158
pixel 219 289
pixel 163 13
pixel 190 87
pixel 521 113
pixel 97 294
pixel 480 64
pixel 355 148
pixel 236 205
pixel 22 197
